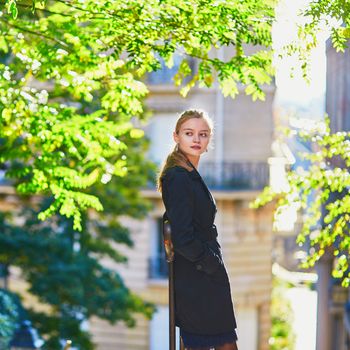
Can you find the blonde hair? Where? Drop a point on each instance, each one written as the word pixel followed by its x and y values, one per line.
pixel 177 157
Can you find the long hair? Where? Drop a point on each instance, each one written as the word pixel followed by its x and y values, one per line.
pixel 177 157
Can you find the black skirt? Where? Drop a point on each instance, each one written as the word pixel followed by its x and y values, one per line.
pixel 207 341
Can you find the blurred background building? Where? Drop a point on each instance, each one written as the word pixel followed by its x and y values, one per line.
pixel 244 157
pixel 333 314
pixel 236 168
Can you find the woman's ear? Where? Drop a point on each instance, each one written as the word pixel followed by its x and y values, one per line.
pixel 176 137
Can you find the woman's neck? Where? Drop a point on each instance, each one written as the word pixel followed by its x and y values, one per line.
pixel 194 161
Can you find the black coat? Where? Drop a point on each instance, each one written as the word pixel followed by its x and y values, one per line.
pixel 203 302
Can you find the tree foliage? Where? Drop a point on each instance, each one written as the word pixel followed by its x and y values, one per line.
pixel 320 192
pixel 72 79
pixel 335 15
pixel 72 85
pixel 8 317
pixel 64 268
pixel 282 334
pixel 320 16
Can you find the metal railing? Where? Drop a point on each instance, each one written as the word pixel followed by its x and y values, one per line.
pixel 235 175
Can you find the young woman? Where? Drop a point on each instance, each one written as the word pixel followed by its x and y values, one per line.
pixel 203 306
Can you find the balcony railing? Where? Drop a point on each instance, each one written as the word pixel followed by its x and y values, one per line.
pixel 235 175
pixel 157 267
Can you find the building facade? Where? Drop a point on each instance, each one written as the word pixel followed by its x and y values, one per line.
pixel 333 328
pixel 235 169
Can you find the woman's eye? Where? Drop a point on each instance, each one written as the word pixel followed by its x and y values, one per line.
pixel 189 133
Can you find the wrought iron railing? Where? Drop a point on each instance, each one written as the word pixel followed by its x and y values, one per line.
pixel 235 175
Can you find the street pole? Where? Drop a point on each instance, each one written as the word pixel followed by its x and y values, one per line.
pixel 169 254
pixel 324 324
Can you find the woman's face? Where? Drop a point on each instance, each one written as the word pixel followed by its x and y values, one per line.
pixel 193 137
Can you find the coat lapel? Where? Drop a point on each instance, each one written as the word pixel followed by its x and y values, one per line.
pixel 195 174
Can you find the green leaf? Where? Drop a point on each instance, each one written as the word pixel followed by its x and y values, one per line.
pixel 12 8
pixel 3 45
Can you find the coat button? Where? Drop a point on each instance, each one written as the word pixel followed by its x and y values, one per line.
pixel 199 267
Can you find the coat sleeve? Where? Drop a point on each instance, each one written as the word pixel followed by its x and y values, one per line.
pixel 178 199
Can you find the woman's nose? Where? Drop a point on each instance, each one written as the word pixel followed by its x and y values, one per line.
pixel 196 138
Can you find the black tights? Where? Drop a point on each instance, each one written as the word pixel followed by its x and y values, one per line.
pixel 228 346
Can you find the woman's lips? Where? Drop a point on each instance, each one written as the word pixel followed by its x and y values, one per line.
pixel 196 147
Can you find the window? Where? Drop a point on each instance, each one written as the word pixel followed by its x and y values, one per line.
pixel 157 265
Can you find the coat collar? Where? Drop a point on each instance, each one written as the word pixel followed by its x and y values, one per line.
pixel 195 175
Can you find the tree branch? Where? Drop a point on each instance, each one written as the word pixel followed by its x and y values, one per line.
pixel 61 43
